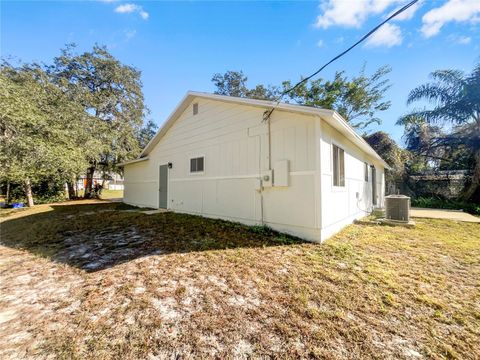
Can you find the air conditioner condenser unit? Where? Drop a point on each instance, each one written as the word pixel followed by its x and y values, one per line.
pixel 397 208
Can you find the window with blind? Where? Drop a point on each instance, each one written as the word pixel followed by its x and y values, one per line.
pixel 338 166
pixel 366 172
pixel 197 164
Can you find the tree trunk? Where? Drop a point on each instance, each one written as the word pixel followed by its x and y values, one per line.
pixel 103 185
pixel 89 185
pixel 71 190
pixel 472 188
pixel 28 192
pixel 7 197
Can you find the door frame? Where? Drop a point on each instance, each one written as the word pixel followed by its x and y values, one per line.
pixel 168 178
pixel 374 185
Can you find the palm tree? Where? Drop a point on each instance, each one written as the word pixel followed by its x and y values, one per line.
pixel 455 97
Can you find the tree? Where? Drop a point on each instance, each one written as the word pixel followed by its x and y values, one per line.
pixel 393 154
pixel 112 94
pixel 455 97
pixel 418 136
pixel 357 100
pixel 40 129
pixel 147 132
pixel 234 83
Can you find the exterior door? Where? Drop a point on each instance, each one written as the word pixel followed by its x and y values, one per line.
pixel 163 186
pixel 374 186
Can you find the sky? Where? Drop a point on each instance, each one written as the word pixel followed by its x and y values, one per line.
pixel 179 45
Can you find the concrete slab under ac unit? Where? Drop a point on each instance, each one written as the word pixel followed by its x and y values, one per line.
pixel 397 223
pixel 384 221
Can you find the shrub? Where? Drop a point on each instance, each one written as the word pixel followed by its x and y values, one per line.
pixel 44 192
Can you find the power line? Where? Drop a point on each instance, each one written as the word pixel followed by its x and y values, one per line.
pixel 268 113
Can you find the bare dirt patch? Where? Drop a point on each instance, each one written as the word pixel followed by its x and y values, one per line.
pixel 117 284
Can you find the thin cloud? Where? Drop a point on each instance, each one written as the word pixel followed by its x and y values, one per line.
pixel 464 40
pixel 407 14
pixel 320 43
pixel 351 13
pixel 126 8
pixel 132 8
pixel 460 39
pixel 354 14
pixel 388 35
pixel 466 11
pixel 130 34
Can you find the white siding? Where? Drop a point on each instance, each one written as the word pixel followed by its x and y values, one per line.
pixel 234 141
pixel 141 185
pixel 340 205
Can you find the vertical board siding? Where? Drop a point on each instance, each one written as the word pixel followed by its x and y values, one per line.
pixel 340 205
pixel 234 141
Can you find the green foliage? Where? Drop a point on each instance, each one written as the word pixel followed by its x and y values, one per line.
pixel 433 149
pixel 47 190
pixel 147 132
pixel 455 100
pixel 234 83
pixel 394 155
pixel 40 128
pixel 84 111
pixel 111 93
pixel 261 230
pixel 454 94
pixel 357 100
pixel 438 203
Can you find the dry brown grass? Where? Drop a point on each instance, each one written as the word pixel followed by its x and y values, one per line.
pixel 192 287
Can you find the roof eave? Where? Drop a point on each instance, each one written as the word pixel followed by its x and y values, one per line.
pixel 190 95
pixel 153 141
pixel 133 161
pixel 359 140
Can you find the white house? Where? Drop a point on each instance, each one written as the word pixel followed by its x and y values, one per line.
pixel 110 180
pixel 304 171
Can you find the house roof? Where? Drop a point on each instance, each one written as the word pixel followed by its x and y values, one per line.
pixel 330 116
pixel 133 161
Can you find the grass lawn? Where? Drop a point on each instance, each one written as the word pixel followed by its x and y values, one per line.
pixel 100 280
pixel 112 194
pixel 107 194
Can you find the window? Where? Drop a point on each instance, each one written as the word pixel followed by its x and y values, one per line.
pixel 338 166
pixel 195 109
pixel 366 172
pixel 197 164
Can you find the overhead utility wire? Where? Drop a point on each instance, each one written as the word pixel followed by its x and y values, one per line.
pixel 268 113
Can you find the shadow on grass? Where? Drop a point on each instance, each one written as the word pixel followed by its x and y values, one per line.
pixel 94 237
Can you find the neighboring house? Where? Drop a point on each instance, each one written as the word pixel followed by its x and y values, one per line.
pixel 305 172
pixel 443 184
pixel 111 180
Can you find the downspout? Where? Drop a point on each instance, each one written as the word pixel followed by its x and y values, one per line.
pixel 269 167
pixel 269 139
pixel 260 191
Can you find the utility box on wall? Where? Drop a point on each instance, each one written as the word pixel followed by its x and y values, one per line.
pixel 267 178
pixel 281 173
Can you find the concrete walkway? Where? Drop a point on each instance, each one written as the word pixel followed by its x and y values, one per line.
pixel 443 214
